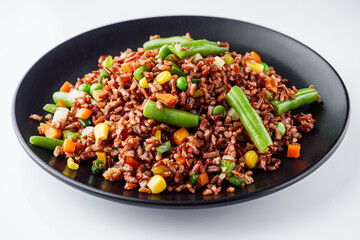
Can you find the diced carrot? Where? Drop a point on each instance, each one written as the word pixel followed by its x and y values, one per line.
pixel 132 162
pixel 97 94
pixel 83 113
pixel 61 104
pixel 270 86
pixel 148 65
pixel 255 56
pixel 293 151
pixel 181 160
pixel 180 135
pixel 168 99
pixel 53 133
pixel 44 127
pixel 203 179
pixel 69 146
pixel 127 67
pixel 66 87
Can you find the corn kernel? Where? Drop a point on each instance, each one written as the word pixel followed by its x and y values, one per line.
pixel 71 164
pixel 198 93
pixel 158 134
pixel 143 83
pixel 157 184
pixel 163 77
pixel 101 131
pixel 255 66
pixel 251 158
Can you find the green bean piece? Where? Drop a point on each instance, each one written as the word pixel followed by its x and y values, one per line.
pixel 175 70
pixel 168 58
pixel 45 142
pixel 203 47
pixel 270 95
pixel 138 72
pixel 219 109
pixel 103 74
pixel 281 128
pixel 182 84
pixel 249 118
pixel 94 87
pixel 171 116
pixel 266 67
pixel 85 88
pixel 164 51
pixel 229 59
pixel 63 96
pixel 51 108
pixel 67 134
pixel 227 167
pixel 166 146
pixel 86 122
pixel 194 178
pixel 237 182
pixel 195 80
pixel 159 42
pixel 302 97
pixel 107 62
pixel 97 166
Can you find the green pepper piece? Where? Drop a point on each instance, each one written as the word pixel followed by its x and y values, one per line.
pixel 229 59
pixel 63 96
pixel 159 42
pixel 166 146
pixel 195 80
pixel 164 51
pixel 171 116
pixel 194 178
pixel 143 147
pixel 175 70
pixel 237 182
pixel 103 74
pixel 86 122
pixel 249 118
pixel 45 142
pixel 107 62
pixel 182 84
pixel 266 67
pixel 51 108
pixel 67 134
pixel 85 88
pixel 227 167
pixel 138 72
pixel 281 128
pixel 203 47
pixel 97 166
pixel 302 97
pixel 219 109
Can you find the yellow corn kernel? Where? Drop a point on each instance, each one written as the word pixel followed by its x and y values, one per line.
pixel 160 169
pixel 163 77
pixel 143 83
pixel 255 66
pixel 158 134
pixel 157 184
pixel 101 131
pixel 198 93
pixel 251 158
pixel 71 164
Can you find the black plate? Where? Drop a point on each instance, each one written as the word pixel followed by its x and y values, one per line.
pixel 295 61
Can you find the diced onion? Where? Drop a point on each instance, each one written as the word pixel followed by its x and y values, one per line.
pixel 87 131
pixel 218 61
pixel 76 94
pixel 232 113
pixel 61 115
pixel 197 57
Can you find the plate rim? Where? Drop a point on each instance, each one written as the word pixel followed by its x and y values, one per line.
pixel 173 204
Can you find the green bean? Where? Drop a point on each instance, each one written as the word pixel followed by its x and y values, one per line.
pixel 270 95
pixel 67 134
pixel 171 116
pixel 164 51
pixel 86 122
pixel 103 74
pixel 195 80
pixel 203 47
pixel 219 110
pixel 166 146
pixel 85 88
pixel 175 70
pixel 303 96
pixel 182 84
pixel 97 166
pixel 281 128
pixel 194 178
pixel 266 67
pixel 237 182
pixel 45 142
pixel 227 167
pixel 138 72
pixel 249 118
pixel 94 87
pixel 159 42
pixel 63 96
pixel 51 108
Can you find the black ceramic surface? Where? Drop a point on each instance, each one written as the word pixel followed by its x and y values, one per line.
pixel 293 60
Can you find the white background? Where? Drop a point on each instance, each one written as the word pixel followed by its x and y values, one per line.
pixel 35 205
